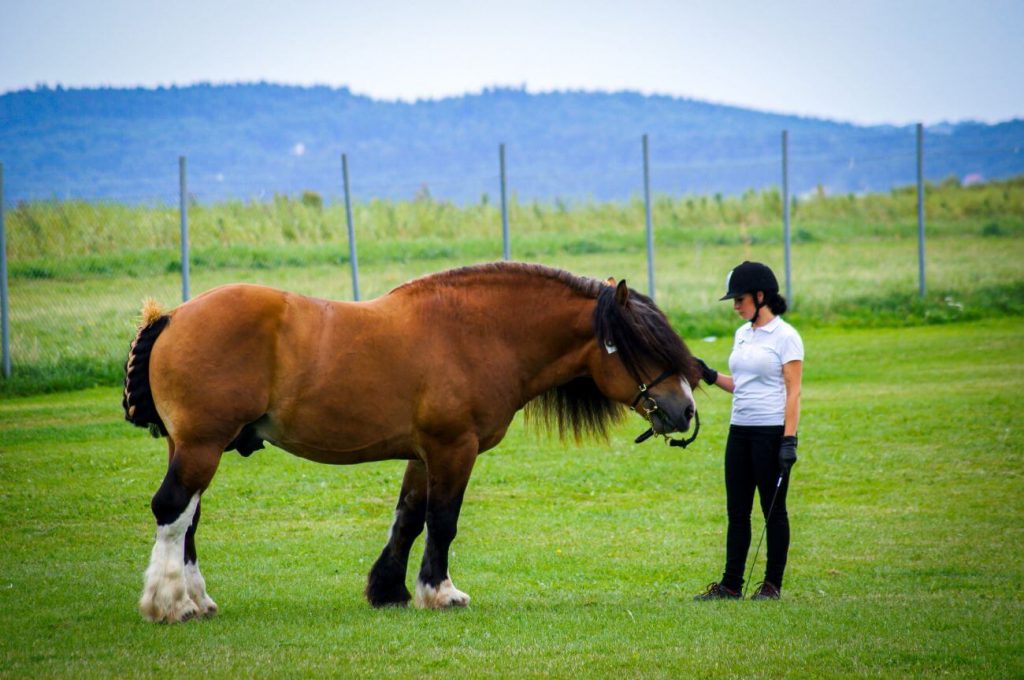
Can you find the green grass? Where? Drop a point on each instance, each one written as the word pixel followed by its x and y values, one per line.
pixel 74 332
pixel 907 516
pixel 80 270
pixel 53 239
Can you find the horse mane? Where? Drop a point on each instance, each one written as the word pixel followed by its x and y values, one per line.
pixel 456 277
pixel 639 331
pixel 642 334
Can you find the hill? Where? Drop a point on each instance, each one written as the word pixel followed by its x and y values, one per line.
pixel 252 140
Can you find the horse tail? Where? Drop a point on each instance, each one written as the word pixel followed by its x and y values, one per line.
pixel 139 409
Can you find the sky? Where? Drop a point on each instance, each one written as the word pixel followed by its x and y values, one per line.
pixel 865 62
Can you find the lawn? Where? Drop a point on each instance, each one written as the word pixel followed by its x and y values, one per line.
pixel 906 507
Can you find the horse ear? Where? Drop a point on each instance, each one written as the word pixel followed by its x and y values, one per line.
pixel 622 293
pixel 610 281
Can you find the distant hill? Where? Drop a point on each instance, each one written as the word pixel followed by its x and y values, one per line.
pixel 254 140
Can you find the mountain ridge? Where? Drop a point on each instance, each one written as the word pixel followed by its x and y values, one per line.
pixel 251 140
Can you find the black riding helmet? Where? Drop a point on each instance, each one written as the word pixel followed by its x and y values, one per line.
pixel 749 277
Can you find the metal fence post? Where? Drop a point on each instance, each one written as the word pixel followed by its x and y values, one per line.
pixel 647 219
pixel 183 209
pixel 353 260
pixel 4 306
pixel 920 208
pixel 506 249
pixel 785 211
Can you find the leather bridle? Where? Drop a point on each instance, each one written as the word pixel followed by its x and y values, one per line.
pixel 649 405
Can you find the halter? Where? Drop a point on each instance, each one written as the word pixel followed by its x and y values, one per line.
pixel 650 405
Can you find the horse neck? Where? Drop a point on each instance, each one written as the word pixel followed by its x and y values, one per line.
pixel 556 346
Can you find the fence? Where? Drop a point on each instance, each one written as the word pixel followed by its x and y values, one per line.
pixel 81 267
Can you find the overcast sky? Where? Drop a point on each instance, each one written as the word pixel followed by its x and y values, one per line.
pixel 869 61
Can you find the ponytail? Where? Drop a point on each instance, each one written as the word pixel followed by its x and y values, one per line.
pixel 776 303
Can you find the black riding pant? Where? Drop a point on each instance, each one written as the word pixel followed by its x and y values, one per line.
pixel 752 461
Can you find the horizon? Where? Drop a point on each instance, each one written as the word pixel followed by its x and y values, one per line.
pixel 482 91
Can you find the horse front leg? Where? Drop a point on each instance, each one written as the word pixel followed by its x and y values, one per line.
pixel 448 470
pixel 386 583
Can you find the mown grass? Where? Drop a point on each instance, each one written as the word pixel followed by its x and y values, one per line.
pixel 908 527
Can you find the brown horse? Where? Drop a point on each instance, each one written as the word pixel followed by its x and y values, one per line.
pixel 433 373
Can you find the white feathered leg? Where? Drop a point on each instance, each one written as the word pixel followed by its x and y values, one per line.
pixel 166 596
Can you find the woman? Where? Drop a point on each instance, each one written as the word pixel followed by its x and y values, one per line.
pixel 766 365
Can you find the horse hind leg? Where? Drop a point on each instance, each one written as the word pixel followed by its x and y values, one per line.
pixel 194 581
pixel 174 588
pixel 385 585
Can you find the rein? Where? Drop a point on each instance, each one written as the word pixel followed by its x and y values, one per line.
pixel 649 406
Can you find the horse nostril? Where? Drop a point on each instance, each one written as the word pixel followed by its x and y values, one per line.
pixel 690 411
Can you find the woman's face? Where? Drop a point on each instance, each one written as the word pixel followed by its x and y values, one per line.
pixel 744 306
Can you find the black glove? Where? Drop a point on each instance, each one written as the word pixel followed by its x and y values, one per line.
pixel 787 453
pixel 710 375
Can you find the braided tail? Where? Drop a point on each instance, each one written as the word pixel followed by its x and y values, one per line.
pixel 139 409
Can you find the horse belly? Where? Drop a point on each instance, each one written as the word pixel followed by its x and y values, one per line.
pixel 334 445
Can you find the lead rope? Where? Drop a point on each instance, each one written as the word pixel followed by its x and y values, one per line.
pixel 767 517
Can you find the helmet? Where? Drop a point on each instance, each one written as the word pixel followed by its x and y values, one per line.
pixel 749 277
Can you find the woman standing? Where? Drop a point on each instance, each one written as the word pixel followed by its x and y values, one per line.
pixel 766 365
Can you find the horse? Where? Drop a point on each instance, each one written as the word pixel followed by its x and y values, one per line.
pixel 432 373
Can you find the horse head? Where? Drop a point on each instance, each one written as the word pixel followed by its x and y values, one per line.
pixel 641 361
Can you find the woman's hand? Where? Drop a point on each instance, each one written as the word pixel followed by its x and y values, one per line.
pixel 709 374
pixel 787 453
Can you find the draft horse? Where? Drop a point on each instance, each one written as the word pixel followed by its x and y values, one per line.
pixel 433 373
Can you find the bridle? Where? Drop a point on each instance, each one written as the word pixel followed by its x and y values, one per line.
pixel 648 405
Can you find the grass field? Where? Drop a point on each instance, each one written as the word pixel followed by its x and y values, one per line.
pixel 80 270
pixel 74 332
pixel 906 507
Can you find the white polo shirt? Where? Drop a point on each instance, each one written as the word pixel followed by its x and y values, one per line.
pixel 759 397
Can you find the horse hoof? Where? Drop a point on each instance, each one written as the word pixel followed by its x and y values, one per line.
pixel 165 600
pixel 444 596
pixel 207 608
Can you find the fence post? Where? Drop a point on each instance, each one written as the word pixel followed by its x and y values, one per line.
pixel 183 209
pixel 785 211
pixel 647 219
pixel 506 249
pixel 353 260
pixel 920 208
pixel 5 311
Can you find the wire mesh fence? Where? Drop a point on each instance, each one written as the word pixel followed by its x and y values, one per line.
pixel 79 269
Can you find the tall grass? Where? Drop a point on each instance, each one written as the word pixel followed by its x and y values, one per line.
pixel 58 238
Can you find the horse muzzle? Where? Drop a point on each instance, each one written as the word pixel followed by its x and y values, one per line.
pixel 665 422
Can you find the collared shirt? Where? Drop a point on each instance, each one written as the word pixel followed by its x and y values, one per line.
pixel 758 354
